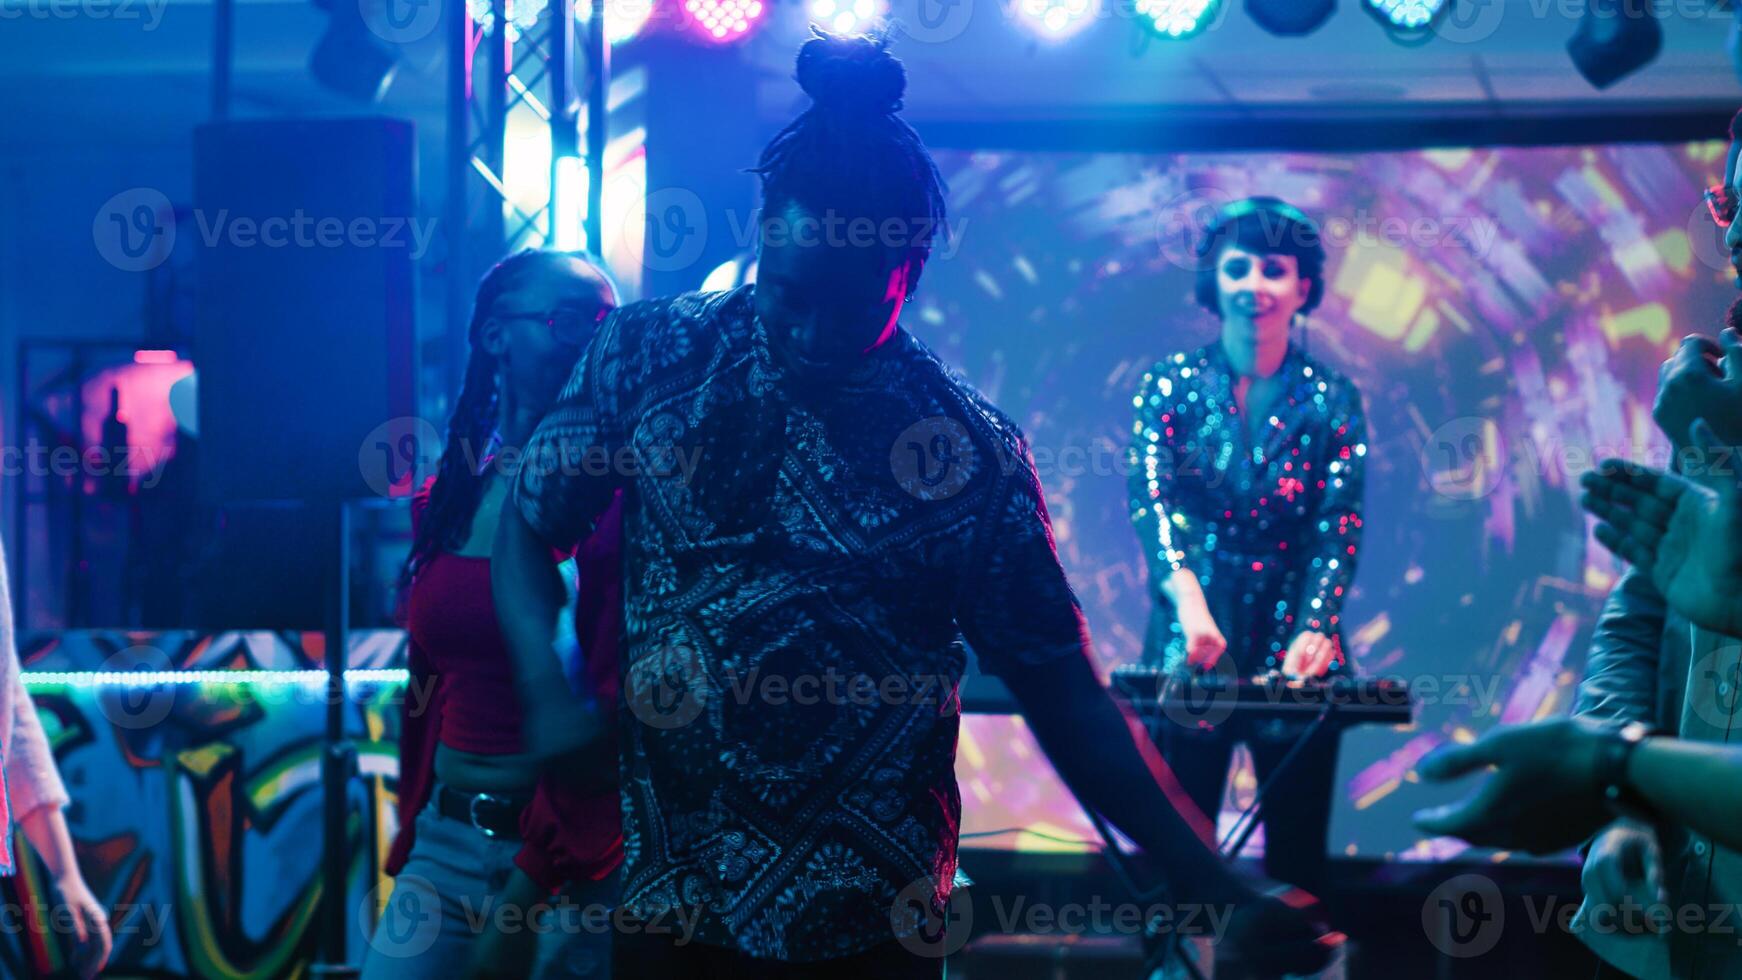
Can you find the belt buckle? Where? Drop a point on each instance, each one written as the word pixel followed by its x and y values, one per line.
pixel 472 811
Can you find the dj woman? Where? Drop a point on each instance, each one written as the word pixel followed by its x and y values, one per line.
pixel 1245 487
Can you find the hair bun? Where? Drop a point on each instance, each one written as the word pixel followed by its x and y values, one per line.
pixel 852 74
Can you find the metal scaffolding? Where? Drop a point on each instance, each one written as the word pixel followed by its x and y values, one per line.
pixel 527 70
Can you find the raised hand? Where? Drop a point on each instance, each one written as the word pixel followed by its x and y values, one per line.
pixel 1542 798
pixel 1685 531
pixel 1702 379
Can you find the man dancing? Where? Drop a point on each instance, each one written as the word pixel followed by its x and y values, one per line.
pixel 780 532
pixel 1245 486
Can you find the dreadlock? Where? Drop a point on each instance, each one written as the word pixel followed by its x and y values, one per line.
pixel 849 153
pixel 459 484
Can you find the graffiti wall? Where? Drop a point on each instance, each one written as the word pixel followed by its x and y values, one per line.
pixel 197 806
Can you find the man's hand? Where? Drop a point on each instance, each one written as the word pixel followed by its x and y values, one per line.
pixel 1311 654
pixel 1107 760
pixel 1543 796
pixel 1625 870
pixel 1685 532
pixel 1702 379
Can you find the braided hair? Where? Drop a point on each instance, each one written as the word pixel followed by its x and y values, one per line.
pixel 453 498
pixel 850 154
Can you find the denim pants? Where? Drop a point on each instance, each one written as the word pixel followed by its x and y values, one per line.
pixel 446 896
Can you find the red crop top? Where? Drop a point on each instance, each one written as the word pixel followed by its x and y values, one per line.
pixel 462 696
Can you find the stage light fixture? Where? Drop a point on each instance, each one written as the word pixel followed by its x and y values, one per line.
pixel 1176 19
pixel 1291 18
pixel 1407 16
pixel 849 16
pixel 1055 19
pixel 624 19
pixel 350 60
pixel 725 20
pixel 1615 39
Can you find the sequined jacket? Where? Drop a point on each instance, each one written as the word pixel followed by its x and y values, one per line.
pixel 1271 527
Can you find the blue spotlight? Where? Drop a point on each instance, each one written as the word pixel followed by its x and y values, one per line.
pixel 1290 18
pixel 1175 19
pixel 1407 15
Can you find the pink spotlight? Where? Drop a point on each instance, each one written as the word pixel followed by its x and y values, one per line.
pixel 723 21
pixel 155 357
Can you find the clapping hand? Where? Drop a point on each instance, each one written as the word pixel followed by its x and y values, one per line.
pixel 1684 531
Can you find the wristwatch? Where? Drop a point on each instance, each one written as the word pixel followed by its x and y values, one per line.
pixel 1613 752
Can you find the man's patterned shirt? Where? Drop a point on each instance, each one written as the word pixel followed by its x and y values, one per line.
pixel 801 565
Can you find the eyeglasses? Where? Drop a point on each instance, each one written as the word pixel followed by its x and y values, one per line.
pixel 1721 201
pixel 567 325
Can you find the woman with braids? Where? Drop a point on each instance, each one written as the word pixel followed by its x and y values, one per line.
pixel 478 826
pixel 843 512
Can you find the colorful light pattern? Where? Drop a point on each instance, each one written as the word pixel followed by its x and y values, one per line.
pixel 724 20
pixel 849 16
pixel 1504 312
pixel 1054 19
pixel 624 19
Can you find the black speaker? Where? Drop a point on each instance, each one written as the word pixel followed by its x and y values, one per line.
pixel 1615 38
pixel 308 239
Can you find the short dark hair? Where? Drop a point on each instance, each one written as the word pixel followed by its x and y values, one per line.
pixel 850 153
pixel 1262 226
